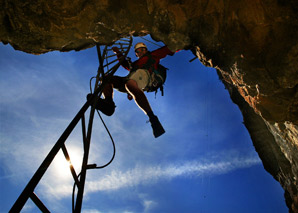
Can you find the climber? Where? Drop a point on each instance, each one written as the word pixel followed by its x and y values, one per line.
pixel 138 80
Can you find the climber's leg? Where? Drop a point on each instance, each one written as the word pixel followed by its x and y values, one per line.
pixel 138 95
pixel 107 105
pixel 142 101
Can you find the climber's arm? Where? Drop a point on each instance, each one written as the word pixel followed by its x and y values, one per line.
pixel 162 52
pixel 124 63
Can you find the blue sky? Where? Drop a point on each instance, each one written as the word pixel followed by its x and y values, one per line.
pixel 205 162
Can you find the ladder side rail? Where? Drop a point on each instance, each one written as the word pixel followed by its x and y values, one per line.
pixel 100 70
pixel 84 135
pixel 38 203
pixel 83 130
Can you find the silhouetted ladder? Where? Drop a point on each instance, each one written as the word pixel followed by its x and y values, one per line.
pixel 103 72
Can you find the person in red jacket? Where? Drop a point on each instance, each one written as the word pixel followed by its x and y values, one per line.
pixel 138 80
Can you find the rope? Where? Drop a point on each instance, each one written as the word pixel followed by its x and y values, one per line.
pixel 90 82
pixel 73 192
pixel 150 41
pixel 114 147
pixel 93 166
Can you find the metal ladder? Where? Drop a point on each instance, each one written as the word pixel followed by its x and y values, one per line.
pixel 108 65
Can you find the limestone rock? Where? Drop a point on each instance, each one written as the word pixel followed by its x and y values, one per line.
pixel 252 44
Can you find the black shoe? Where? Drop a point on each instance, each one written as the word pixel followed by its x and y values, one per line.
pixel 107 107
pixel 89 96
pixel 157 128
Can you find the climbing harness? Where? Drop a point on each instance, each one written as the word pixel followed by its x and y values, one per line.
pixel 157 77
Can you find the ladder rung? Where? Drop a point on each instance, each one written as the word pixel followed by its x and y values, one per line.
pixel 124 39
pixel 38 203
pixel 110 56
pixel 84 129
pixel 114 61
pixel 73 172
pixel 120 44
pixel 121 48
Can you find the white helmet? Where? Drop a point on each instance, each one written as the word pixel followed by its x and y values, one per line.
pixel 139 45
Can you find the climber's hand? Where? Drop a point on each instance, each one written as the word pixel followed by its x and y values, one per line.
pixel 129 97
pixel 115 50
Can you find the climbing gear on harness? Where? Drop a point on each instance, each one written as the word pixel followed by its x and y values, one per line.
pixel 139 45
pixel 157 128
pixel 106 106
pixel 158 76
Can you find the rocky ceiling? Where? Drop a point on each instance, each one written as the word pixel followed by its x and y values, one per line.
pixel 252 44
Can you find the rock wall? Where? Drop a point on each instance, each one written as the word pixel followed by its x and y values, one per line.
pixel 252 44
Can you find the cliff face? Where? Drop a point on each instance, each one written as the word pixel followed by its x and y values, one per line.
pixel 252 44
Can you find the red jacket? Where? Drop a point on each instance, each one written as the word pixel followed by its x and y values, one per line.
pixel 148 62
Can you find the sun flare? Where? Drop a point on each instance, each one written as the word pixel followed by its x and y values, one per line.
pixel 62 166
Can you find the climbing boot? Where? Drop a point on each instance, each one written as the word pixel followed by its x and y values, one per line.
pixel 157 128
pixel 106 106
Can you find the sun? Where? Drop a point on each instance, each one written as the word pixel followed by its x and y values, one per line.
pixel 62 166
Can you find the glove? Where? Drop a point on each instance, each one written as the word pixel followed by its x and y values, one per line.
pixel 129 97
pixel 116 50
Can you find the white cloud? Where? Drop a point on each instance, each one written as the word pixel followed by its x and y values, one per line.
pixel 147 175
pixel 91 211
pixel 149 205
pixel 58 188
